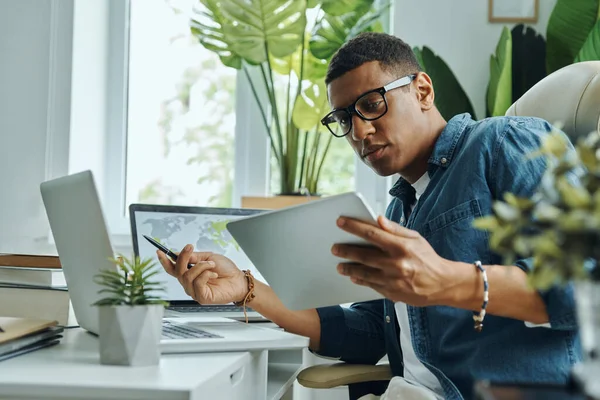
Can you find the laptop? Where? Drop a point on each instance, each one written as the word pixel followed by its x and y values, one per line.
pixel 83 243
pixel 205 228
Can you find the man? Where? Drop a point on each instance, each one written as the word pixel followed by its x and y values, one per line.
pixel 425 260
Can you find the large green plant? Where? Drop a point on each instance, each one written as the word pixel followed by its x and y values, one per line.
pixel 572 35
pixel 266 38
pixel 450 97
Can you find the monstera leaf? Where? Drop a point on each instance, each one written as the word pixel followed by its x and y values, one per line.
pixel 568 28
pixel 528 59
pixel 499 95
pixel 311 105
pixel 331 32
pixel 314 68
pixel 450 98
pixel 339 7
pixel 591 48
pixel 253 28
pixel 207 25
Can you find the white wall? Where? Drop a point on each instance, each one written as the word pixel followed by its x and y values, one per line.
pixel 459 32
pixel 35 78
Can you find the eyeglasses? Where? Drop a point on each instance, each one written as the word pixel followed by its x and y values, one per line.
pixel 369 106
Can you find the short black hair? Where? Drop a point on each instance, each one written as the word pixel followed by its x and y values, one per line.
pixel 393 55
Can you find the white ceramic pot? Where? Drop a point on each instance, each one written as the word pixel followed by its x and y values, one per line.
pixel 130 335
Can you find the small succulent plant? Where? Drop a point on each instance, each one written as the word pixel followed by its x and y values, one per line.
pixel 559 226
pixel 130 283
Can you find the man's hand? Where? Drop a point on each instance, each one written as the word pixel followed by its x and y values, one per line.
pixel 402 265
pixel 214 279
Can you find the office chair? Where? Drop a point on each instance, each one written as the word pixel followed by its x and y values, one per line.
pixel 571 96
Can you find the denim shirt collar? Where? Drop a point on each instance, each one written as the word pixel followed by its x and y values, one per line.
pixel 441 156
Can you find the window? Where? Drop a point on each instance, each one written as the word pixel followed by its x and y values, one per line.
pixel 181 112
pixel 181 128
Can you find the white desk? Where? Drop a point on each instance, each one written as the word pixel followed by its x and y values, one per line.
pixel 72 370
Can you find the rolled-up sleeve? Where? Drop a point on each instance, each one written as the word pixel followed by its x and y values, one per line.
pixel 513 172
pixel 355 334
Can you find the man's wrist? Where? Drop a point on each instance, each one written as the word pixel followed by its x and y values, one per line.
pixel 244 285
pixel 465 289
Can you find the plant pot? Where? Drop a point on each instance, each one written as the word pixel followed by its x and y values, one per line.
pixel 275 202
pixel 587 300
pixel 130 335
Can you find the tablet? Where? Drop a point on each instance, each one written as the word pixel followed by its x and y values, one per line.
pixel 291 248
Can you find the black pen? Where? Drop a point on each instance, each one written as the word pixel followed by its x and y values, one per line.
pixel 162 248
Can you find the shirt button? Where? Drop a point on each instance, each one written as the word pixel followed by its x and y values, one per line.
pixel 402 220
pixel 387 319
pixel 444 160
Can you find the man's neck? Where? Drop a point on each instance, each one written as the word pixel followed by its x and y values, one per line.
pixel 421 164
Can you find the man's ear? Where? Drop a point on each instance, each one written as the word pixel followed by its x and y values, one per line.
pixel 425 92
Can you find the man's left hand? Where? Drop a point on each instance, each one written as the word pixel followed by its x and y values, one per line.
pixel 401 265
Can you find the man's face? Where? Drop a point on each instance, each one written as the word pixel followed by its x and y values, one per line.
pixel 390 144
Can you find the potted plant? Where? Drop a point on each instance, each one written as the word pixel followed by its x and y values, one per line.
pixel 559 227
pixel 130 316
pixel 283 47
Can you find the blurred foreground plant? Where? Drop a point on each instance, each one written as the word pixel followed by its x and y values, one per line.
pixel 559 226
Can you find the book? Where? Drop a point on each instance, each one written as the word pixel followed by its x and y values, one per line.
pixel 39 277
pixel 30 261
pixel 37 303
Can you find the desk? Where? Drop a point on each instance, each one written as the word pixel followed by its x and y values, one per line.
pixel 72 370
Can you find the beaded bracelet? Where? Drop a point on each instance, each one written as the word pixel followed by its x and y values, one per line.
pixel 478 317
pixel 250 295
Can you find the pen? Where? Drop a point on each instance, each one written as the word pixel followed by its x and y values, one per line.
pixel 165 250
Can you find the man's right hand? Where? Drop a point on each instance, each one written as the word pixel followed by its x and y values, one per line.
pixel 214 279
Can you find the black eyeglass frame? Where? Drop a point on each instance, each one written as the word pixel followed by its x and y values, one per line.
pixel 351 109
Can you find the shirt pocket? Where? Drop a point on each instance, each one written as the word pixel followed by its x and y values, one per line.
pixel 452 235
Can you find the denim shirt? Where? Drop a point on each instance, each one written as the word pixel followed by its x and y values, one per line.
pixel 473 164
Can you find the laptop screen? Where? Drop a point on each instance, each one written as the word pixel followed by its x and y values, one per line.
pixel 175 226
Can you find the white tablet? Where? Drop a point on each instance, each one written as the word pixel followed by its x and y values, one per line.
pixel 291 248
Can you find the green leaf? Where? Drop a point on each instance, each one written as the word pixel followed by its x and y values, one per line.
pixel 573 196
pixel 450 97
pixel 208 26
pixel 590 50
pixel 339 7
pixel 568 28
pixel 521 203
pixel 505 211
pixel 314 68
pixel 546 212
pixel 257 26
pixel 487 223
pixel 499 95
pixel 310 106
pixel 331 32
pixel 528 59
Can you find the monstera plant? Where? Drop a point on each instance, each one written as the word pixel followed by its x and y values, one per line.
pixel 291 41
pixel 523 57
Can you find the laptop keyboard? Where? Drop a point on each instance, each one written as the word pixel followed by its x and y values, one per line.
pixel 171 330
pixel 211 309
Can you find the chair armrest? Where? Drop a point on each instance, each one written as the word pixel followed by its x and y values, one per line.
pixel 342 374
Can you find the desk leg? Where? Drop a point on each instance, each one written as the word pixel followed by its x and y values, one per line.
pixel 258 370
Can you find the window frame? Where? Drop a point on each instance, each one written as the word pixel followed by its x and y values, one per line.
pixel 252 151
